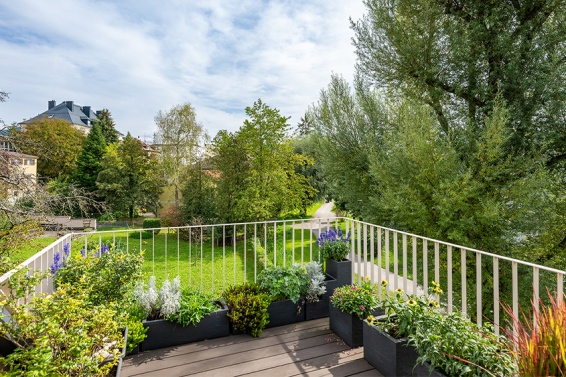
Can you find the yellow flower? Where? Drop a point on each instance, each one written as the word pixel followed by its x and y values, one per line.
pixel 411 302
pixel 399 291
pixel 370 319
pixel 384 283
pixel 435 284
pixel 434 304
pixel 366 277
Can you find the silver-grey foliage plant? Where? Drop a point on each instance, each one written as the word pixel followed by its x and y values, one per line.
pixel 317 283
pixel 160 303
pixel 170 297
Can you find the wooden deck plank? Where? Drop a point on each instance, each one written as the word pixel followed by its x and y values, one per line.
pixel 307 349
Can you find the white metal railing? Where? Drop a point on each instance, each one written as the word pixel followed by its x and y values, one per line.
pixel 217 255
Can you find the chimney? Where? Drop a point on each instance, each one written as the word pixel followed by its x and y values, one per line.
pixel 50 104
pixel 86 110
pixel 69 105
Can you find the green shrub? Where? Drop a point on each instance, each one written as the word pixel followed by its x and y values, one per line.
pixel 282 283
pixel 62 334
pixel 356 299
pixel 136 332
pixel 143 235
pixel 152 223
pixel 106 274
pixel 248 308
pixel 194 307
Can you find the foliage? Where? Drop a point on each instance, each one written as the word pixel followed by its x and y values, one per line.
pixel 178 136
pixel 282 283
pixel 449 342
pixel 55 142
pixel 107 126
pixel 317 283
pixel 247 308
pixel 128 178
pixel 105 273
pixel 356 299
pixel 145 235
pixel 457 58
pixel 194 306
pixel 539 346
pixel 158 304
pixel 333 245
pixel 61 334
pixel 150 223
pixel 88 161
pixel 136 332
pixel 199 195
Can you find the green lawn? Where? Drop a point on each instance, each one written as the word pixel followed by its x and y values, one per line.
pixel 32 247
pixel 208 265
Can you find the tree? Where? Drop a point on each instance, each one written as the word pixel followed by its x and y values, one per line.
pixel 457 57
pixel 179 136
pixel 107 126
pixel 55 142
pixel 129 178
pixel 88 162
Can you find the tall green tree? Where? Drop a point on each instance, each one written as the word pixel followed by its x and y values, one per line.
pixel 129 178
pixel 107 126
pixel 88 162
pixel 179 136
pixel 56 143
pixel 457 57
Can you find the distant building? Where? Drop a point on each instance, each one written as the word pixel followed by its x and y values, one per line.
pixel 81 117
pixel 24 173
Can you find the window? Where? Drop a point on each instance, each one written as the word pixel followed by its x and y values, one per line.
pixel 30 162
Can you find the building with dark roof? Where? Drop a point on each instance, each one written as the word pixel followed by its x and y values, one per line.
pixel 82 117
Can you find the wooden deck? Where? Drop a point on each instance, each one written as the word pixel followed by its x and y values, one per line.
pixel 307 348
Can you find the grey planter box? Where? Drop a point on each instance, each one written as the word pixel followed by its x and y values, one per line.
pixel 285 312
pixel 340 270
pixel 348 326
pixel 321 309
pixel 162 333
pixel 392 357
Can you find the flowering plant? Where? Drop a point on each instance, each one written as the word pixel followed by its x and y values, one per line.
pixel 356 299
pixel 333 245
pixel 403 310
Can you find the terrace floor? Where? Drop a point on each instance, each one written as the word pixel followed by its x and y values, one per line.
pixel 307 348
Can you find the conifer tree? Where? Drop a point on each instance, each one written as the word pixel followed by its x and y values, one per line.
pixel 88 162
pixel 107 126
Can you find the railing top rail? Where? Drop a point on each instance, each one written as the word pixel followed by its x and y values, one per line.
pixel 501 257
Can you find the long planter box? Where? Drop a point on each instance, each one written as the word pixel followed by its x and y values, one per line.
pixel 340 270
pixel 286 312
pixel 321 308
pixel 392 357
pixel 162 333
pixel 348 326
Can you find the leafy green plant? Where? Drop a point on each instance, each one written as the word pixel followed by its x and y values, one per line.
pixel 247 308
pixel 316 282
pixel 450 342
pixel 282 283
pixel 540 348
pixel 145 235
pixel 136 332
pixel 356 299
pixel 194 306
pixel 105 273
pixel 333 245
pixel 150 224
pixel 61 333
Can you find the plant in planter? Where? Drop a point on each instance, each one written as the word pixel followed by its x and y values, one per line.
pixel 415 330
pixel 540 348
pixel 349 304
pixel 321 287
pixel 316 282
pixel 334 248
pixel 286 287
pixel 61 333
pixel 158 304
pixel 247 308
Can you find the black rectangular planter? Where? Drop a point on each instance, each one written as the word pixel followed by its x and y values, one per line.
pixel 321 308
pixel 162 333
pixel 286 312
pixel 346 326
pixel 340 270
pixel 390 356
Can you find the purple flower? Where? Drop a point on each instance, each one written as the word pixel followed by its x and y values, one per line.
pixel 104 249
pixel 67 249
pixel 57 263
pixel 362 308
pixel 83 252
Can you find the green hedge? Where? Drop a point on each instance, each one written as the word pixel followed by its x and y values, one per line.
pixel 152 223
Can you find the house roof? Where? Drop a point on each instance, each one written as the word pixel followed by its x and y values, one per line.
pixel 67 110
pixel 19 155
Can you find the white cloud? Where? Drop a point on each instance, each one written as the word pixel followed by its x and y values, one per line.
pixel 138 57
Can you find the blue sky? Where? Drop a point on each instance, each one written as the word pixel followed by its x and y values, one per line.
pixel 136 57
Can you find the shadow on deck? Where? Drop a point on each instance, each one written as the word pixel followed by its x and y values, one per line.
pixel 306 348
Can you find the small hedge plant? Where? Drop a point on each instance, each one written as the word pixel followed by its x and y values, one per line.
pixel 193 307
pixel 248 308
pixel 151 224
